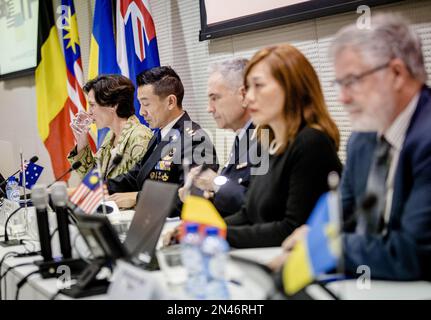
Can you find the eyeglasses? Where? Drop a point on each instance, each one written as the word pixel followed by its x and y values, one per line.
pixel 351 82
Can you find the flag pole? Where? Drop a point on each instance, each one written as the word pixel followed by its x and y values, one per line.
pixel 23 170
pixel 336 215
pixel 188 181
pixel 102 187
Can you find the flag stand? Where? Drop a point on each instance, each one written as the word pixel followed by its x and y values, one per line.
pixel 23 170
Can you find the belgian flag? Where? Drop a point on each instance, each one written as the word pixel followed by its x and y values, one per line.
pixel 53 103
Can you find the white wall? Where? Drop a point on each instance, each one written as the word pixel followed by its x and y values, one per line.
pixel 177 26
pixel 18 117
pixel 18 121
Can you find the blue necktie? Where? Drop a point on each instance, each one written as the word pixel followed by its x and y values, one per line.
pixel 158 136
pixel 236 150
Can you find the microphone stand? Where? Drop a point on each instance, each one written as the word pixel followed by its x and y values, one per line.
pixel 32 160
pixel 26 227
pixel 16 242
pixel 7 242
pixel 49 265
pixel 62 176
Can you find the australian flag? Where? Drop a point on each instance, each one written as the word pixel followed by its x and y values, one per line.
pixel 32 174
pixel 136 40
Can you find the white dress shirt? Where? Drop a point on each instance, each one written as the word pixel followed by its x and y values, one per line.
pixel 165 130
pixel 396 135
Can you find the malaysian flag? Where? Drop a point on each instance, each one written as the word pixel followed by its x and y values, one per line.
pixel 72 55
pixel 89 193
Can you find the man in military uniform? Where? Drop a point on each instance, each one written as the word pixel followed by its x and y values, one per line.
pixel 226 104
pixel 160 93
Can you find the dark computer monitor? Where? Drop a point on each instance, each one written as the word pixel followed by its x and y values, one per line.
pixel 155 203
pixel 100 237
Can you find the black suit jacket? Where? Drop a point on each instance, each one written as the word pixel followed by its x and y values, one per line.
pixel 282 199
pixel 164 161
pixel 230 197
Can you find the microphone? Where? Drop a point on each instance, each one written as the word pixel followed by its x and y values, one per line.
pixel 32 160
pixel 362 219
pixel 39 196
pixel 75 166
pixel 59 198
pixel 368 204
pixel 115 162
pixel 103 208
pixel 369 201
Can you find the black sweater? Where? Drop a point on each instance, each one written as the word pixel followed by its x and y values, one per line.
pixel 281 200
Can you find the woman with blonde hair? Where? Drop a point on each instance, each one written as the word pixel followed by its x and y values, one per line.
pixel 286 104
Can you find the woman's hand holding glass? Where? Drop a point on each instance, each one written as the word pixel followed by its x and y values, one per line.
pixel 80 126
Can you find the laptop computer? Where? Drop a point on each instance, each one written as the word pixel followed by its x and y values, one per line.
pixel 155 204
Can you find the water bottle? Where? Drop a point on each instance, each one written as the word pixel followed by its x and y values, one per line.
pixel 215 253
pixel 192 260
pixel 12 190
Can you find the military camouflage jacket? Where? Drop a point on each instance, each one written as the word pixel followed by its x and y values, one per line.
pixel 132 144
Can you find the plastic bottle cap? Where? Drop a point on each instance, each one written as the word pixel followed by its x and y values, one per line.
pixel 192 228
pixel 212 231
pixel 11 179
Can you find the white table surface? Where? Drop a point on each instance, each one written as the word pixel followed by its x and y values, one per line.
pixel 253 283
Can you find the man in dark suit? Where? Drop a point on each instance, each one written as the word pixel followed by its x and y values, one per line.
pixel 160 93
pixel 386 185
pixel 226 104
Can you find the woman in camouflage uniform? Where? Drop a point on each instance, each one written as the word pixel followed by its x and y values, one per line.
pixel 110 99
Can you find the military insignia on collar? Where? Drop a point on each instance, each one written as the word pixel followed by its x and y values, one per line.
pixel 173 138
pixel 241 165
pixel 190 131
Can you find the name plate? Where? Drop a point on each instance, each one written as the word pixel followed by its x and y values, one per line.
pixel 132 283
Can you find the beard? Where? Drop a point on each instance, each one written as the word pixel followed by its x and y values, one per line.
pixel 377 116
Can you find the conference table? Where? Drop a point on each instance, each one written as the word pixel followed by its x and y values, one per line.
pixel 37 288
pixel 247 279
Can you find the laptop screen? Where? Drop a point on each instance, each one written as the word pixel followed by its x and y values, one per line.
pixel 155 203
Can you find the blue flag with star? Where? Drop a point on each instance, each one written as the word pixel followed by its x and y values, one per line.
pixel 32 174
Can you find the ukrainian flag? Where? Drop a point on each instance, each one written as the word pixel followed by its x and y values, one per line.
pixel 103 58
pixel 318 253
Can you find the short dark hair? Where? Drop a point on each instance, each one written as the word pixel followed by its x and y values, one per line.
pixel 165 82
pixel 113 90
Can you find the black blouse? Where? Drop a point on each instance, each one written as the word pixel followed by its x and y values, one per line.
pixel 281 200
